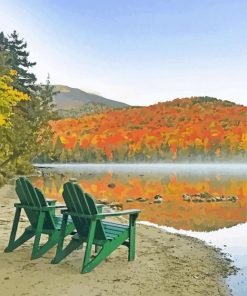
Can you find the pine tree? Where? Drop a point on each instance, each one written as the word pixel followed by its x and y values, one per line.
pixel 4 56
pixel 19 62
pixel 30 130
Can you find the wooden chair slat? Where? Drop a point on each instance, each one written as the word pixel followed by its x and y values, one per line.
pixel 32 199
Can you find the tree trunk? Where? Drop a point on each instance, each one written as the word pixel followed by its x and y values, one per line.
pixel 12 157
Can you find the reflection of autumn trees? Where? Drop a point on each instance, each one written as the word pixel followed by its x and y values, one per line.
pixel 196 128
pixel 174 211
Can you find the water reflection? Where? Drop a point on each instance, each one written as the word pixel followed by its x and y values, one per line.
pixel 171 182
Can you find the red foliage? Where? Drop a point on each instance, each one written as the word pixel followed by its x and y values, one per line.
pixel 165 130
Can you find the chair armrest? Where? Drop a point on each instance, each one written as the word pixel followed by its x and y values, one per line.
pixel 47 208
pixel 59 206
pixel 21 206
pixel 102 215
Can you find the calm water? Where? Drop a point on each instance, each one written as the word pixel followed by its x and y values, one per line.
pixel 222 224
pixel 169 181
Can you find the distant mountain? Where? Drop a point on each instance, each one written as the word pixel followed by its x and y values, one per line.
pixel 71 98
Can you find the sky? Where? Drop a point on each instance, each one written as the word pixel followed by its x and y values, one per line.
pixel 136 51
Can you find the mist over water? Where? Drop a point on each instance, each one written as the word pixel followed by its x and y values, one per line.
pixel 192 168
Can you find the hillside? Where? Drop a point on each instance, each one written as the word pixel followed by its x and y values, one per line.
pixel 85 109
pixel 196 129
pixel 73 98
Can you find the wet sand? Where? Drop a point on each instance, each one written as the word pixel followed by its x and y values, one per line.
pixel 166 264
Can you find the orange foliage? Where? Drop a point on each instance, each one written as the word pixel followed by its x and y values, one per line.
pixel 171 130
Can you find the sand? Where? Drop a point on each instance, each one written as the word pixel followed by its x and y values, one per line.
pixel 165 264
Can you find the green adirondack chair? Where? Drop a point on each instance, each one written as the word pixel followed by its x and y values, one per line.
pixel 41 215
pixel 93 229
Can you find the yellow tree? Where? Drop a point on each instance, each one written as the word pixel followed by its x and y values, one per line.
pixel 9 97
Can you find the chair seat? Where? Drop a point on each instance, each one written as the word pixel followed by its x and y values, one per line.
pixel 112 230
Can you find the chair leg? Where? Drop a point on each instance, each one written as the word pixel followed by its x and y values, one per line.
pixel 21 240
pixel 13 244
pixel 73 244
pixel 62 235
pixel 61 254
pixel 89 244
pixel 132 232
pixel 56 238
pixel 105 251
pixel 38 233
pixel 131 253
pixel 52 241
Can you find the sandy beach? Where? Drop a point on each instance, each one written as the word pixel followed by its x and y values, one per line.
pixel 165 264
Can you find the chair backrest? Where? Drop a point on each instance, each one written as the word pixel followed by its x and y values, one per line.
pixel 80 202
pixel 33 197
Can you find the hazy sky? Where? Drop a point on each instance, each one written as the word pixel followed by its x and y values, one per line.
pixel 136 51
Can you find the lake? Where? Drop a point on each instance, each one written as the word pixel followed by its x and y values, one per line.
pixel 222 224
pixel 167 180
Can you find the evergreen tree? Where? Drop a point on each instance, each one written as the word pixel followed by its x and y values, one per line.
pixel 29 133
pixel 4 56
pixel 19 62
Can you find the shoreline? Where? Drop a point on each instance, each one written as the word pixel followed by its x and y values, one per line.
pixel 165 264
pixel 167 165
pixel 231 243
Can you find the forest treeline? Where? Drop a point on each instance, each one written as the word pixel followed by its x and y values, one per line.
pixel 188 129
pixel 25 108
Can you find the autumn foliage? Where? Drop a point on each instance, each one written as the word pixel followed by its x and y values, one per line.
pixel 198 128
pixel 9 96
